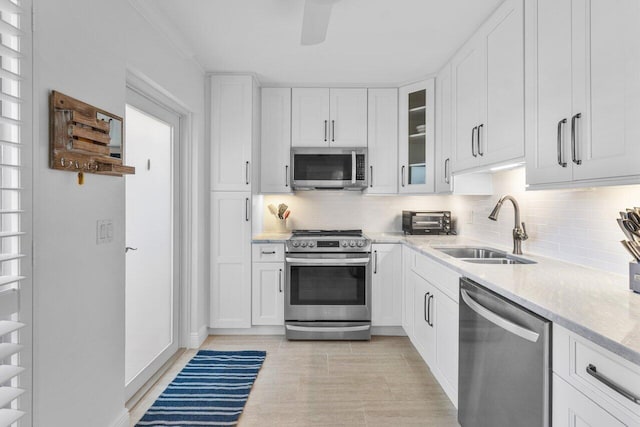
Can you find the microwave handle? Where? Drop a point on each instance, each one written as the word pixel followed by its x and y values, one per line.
pixel 353 167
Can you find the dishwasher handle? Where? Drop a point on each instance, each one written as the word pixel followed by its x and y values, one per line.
pixel 497 320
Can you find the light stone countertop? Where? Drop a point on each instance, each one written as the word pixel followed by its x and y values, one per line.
pixel 595 304
pixel 271 237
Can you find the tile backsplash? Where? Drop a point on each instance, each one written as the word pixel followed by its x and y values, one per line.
pixel 576 225
pixel 342 210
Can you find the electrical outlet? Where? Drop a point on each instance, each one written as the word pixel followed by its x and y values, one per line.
pixel 470 217
pixel 104 231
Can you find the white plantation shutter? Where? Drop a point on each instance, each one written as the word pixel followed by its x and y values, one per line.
pixel 15 222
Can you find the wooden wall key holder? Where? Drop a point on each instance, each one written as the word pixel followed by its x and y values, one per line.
pixel 83 138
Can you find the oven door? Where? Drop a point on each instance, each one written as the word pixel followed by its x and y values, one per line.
pixel 328 287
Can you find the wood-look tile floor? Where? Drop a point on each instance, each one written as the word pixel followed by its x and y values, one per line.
pixel 382 382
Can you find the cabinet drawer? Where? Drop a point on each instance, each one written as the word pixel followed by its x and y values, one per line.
pixel 571 408
pixel 445 279
pixel 575 359
pixel 268 252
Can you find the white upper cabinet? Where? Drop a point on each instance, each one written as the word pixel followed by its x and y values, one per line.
pixel 348 117
pixel 416 137
pixel 275 140
pixel 231 132
pixel 383 141
pixel 502 137
pixel 584 92
pixel 322 117
pixel 549 85
pixel 488 79
pixel 444 129
pixel 309 117
pixel 468 79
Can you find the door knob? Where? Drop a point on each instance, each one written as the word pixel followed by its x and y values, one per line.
pixel 129 248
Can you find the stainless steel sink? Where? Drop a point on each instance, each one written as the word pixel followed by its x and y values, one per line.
pixel 467 252
pixel 479 255
pixel 499 261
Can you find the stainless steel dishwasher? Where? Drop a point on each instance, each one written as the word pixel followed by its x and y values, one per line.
pixel 504 377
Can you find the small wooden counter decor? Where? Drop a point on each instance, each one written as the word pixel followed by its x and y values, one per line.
pixel 83 138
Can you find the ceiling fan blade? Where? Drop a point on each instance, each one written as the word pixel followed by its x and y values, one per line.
pixel 315 21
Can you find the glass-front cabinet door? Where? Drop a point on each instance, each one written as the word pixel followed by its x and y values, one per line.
pixel 416 139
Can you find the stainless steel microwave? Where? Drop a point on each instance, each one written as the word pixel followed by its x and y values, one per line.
pixel 329 168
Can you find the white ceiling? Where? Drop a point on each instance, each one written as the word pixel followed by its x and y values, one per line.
pixel 372 42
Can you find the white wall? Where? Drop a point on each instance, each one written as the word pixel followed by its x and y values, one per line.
pixel 576 225
pixel 84 49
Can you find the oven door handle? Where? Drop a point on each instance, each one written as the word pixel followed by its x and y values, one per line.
pixel 328 328
pixel 353 167
pixel 328 261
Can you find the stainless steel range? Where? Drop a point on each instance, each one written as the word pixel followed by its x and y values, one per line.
pixel 328 285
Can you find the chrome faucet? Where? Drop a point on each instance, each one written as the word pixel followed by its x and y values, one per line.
pixel 519 232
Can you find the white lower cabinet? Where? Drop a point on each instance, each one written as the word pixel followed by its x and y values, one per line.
pixel 591 385
pixel 267 284
pixel 407 291
pixel 386 294
pixel 267 293
pixel 573 409
pixel 424 333
pixel 230 303
pixel 434 329
pixel 446 325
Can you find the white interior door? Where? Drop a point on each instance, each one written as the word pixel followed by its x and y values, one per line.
pixel 151 281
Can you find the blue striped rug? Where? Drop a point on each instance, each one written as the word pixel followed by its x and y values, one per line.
pixel 210 391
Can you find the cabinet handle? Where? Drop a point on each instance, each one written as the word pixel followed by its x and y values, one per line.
pixel 429 322
pixel 371 177
pixel 246 209
pixel 425 306
pixel 280 280
pixel 402 175
pixel 480 139
pixel 246 172
pixel 591 370
pixel 325 131
pixel 473 141
pixel 375 262
pixel 333 130
pixel 574 157
pixel 286 175
pixel 560 125
pixel 446 172
pixel 268 252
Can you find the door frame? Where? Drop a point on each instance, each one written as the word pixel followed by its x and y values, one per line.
pixel 186 240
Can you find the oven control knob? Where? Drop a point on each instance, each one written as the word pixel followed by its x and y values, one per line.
pixel 295 244
pixel 344 244
pixel 303 244
pixel 352 243
pixel 360 244
pixel 312 244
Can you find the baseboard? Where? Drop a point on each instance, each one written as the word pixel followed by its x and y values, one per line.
pixel 254 330
pixel 122 420
pixel 197 338
pixel 279 330
pixel 392 331
pixel 133 401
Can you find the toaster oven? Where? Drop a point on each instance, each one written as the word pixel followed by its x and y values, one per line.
pixel 426 222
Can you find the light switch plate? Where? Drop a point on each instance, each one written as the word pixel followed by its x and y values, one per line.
pixel 104 231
